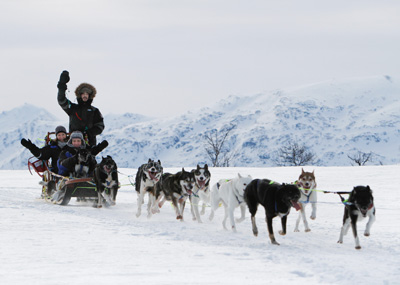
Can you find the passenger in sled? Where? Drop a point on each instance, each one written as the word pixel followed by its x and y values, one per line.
pixel 51 150
pixel 77 159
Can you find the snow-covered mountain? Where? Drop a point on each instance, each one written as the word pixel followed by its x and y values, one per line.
pixel 334 119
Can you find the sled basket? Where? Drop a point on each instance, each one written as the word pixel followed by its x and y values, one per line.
pixel 38 165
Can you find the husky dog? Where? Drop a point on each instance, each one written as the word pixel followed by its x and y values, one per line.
pixel 106 179
pixel 82 164
pixel 306 184
pixel 277 200
pixel 359 206
pixel 176 188
pixel 201 191
pixel 230 193
pixel 146 177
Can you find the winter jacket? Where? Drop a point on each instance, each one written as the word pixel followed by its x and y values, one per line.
pixel 51 151
pixel 66 161
pixel 82 116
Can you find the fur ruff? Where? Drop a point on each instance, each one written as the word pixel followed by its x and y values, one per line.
pixel 85 85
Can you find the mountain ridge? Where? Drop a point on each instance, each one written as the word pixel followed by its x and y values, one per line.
pixel 333 118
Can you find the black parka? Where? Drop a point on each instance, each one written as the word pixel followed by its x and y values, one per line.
pixel 82 116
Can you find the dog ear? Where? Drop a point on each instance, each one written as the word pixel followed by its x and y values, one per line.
pixel 352 195
pixel 198 167
pixel 159 162
pixel 240 176
pixel 205 166
pixel 149 160
pixel 302 171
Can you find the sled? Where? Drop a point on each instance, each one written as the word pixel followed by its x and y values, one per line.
pixel 59 189
pixel 82 188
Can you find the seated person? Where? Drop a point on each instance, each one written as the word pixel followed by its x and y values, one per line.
pixel 68 157
pixel 51 150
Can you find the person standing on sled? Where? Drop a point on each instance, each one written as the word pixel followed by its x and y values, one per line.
pixel 82 116
pixel 52 150
pixel 65 162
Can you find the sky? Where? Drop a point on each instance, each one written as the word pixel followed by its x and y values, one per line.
pixel 163 58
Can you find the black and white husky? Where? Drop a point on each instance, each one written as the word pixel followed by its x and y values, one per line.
pixel 307 184
pixel 106 179
pixel 146 177
pixel 176 188
pixel 201 191
pixel 359 206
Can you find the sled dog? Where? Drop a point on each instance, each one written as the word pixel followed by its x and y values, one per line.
pixel 106 179
pixel 176 188
pixel 83 164
pixel 230 193
pixel 201 191
pixel 277 199
pixel 306 184
pixel 146 177
pixel 359 206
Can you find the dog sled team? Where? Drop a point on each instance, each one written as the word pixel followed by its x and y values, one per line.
pixel 244 192
pixel 74 172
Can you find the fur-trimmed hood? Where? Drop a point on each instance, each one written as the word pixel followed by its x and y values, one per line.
pixel 88 86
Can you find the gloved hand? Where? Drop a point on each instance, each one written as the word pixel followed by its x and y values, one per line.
pixel 98 148
pixel 64 79
pixel 103 144
pixel 29 145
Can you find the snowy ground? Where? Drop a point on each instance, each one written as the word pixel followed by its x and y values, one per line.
pixel 42 243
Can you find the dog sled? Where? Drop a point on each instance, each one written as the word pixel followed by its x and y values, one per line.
pixel 59 189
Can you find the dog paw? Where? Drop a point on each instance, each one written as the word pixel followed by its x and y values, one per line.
pixel 234 229
pixel 339 241
pixel 307 230
pixel 296 230
pixel 275 242
pixel 282 233
pixel 367 234
pixel 179 217
pixel 358 247
pixel 137 215
pixel 239 220
pixel 313 217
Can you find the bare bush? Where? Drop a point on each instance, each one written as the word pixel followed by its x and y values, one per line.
pixel 216 150
pixel 361 158
pixel 294 154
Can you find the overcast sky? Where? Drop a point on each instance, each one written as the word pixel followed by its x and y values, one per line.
pixel 165 57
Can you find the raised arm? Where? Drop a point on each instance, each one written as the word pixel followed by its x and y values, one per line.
pixel 62 87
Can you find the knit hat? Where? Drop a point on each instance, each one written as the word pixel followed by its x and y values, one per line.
pixel 76 135
pixel 60 129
